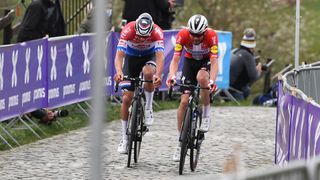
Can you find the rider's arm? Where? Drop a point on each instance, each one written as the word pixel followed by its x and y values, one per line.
pixel 214 68
pixel 174 65
pixel 214 57
pixel 119 61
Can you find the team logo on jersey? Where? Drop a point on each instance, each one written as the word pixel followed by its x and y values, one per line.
pixel 214 49
pixel 178 47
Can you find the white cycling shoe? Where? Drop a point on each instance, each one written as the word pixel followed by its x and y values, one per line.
pixel 205 124
pixel 176 154
pixel 148 114
pixel 123 147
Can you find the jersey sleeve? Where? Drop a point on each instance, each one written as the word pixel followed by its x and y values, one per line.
pixel 213 44
pixel 125 35
pixel 158 37
pixel 179 44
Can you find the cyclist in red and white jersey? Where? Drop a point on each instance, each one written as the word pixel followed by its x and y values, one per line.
pixel 200 66
pixel 141 48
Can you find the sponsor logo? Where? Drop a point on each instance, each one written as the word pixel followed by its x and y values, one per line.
pixel 178 47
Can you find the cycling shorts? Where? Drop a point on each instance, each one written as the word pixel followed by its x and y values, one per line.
pixel 190 69
pixel 132 68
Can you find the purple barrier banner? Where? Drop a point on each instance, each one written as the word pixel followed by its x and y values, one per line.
pixel 313 134
pixel 112 42
pixel 69 65
pixel 297 129
pixel 282 127
pixel 22 78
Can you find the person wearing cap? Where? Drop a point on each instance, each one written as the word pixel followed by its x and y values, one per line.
pixel 141 48
pixel 243 69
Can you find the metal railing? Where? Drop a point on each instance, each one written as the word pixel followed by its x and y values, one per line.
pixel 74 11
pixel 304 82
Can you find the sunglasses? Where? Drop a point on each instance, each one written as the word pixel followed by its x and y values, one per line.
pixel 196 35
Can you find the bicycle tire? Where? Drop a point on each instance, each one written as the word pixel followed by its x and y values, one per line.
pixel 138 141
pixel 132 128
pixel 195 145
pixel 198 139
pixel 184 138
pixel 198 148
pixel 192 147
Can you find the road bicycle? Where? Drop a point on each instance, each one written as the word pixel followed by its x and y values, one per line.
pixel 136 127
pixel 191 137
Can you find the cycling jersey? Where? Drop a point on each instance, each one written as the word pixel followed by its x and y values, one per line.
pixel 206 49
pixel 135 45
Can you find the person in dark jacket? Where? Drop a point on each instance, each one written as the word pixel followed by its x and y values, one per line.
pixel 167 15
pixel 244 70
pixel 56 25
pixel 133 8
pixel 35 21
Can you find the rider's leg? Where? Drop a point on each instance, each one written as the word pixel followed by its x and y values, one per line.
pixel 182 108
pixel 180 115
pixel 148 72
pixel 124 111
pixel 203 80
pixel 124 114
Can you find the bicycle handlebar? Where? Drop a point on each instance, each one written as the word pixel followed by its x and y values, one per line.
pixel 188 86
pixel 135 80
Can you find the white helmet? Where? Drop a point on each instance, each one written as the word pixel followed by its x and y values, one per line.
pixel 144 25
pixel 197 24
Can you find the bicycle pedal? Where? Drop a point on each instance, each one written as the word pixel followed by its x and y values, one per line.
pixel 145 129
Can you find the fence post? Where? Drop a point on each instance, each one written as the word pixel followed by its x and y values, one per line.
pixel 7 31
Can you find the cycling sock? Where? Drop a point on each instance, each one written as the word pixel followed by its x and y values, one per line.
pixel 206 111
pixel 149 98
pixel 178 136
pixel 124 130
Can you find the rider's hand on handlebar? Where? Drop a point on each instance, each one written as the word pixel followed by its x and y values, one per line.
pixel 156 81
pixel 171 81
pixel 212 86
pixel 118 77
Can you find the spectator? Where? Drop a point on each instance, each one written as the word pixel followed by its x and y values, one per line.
pixel 7 19
pixel 167 15
pixel 46 116
pixel 56 27
pixel 244 70
pixel 86 25
pixel 133 8
pixel 35 21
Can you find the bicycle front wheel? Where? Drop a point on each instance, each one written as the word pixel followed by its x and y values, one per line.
pixel 139 134
pixel 184 137
pixel 132 128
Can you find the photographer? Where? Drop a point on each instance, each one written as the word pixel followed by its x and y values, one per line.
pixel 47 116
pixel 244 70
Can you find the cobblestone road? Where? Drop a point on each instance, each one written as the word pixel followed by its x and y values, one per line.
pixel 67 156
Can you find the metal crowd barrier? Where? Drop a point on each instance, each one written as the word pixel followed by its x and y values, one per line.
pixel 304 82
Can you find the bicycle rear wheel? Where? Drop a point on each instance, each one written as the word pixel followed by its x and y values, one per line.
pixel 132 128
pixel 139 134
pixel 184 137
